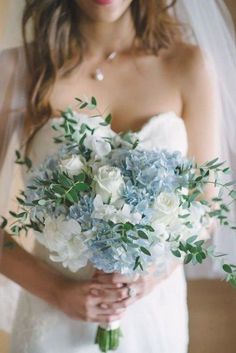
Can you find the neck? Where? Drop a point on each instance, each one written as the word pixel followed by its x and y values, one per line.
pixel 102 38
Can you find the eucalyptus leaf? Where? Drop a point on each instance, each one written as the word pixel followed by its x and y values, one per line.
pixel 210 163
pixel 192 239
pixel 176 253
pixel 142 235
pixel 42 202
pixel 4 222
pixel 199 258
pixel 94 101
pixel 232 281
pixel 233 194
pixel 145 251
pixel 227 268
pixel 81 187
pixel 233 182
pixel 188 258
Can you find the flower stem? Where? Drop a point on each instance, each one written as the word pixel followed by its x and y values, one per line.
pixel 108 340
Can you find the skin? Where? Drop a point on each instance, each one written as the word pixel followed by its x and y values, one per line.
pixel 137 86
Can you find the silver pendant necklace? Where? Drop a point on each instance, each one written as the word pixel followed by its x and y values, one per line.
pixel 99 74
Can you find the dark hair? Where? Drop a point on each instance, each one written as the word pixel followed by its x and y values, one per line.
pixel 57 47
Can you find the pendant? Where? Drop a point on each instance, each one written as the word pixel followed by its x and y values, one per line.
pixel 112 55
pixel 99 76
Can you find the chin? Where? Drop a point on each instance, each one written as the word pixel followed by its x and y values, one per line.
pixel 104 10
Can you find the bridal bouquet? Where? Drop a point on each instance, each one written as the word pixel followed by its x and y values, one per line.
pixel 103 199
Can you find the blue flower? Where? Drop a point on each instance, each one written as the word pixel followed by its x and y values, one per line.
pixel 82 212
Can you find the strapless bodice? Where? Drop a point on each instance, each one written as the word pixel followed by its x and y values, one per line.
pixel 164 131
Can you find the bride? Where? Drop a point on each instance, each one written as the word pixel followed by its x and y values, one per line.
pixel 131 55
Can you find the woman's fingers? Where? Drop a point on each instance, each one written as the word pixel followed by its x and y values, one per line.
pixel 112 307
pixel 110 296
pixel 116 278
pixel 104 285
pixel 108 301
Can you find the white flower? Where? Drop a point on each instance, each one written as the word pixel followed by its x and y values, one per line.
pixel 128 216
pixel 165 208
pixel 64 239
pixel 96 136
pixel 110 213
pixel 197 220
pixel 74 255
pixel 97 144
pixel 73 166
pixel 109 183
pixel 160 231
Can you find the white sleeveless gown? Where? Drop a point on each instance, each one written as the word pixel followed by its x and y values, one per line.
pixel 157 323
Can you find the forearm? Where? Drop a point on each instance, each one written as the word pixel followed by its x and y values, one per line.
pixel 28 271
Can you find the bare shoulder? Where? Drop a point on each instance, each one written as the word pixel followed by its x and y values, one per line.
pixel 189 63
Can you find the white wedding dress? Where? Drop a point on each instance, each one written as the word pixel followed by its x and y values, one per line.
pixel 157 323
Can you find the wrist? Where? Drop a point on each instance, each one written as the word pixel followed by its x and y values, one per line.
pixel 47 283
pixel 53 293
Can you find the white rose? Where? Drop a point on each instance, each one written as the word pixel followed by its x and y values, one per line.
pixel 165 208
pixel 73 166
pixel 109 183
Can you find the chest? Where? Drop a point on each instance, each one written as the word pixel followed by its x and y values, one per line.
pixel 133 90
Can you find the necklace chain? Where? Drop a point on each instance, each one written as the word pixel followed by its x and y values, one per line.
pixel 99 74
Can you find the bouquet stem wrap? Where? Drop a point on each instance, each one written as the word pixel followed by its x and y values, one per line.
pixel 108 336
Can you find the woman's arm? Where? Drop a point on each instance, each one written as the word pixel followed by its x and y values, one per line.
pixel 201 107
pixel 28 271
pixel 88 300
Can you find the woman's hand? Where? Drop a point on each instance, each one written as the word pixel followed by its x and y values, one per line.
pixel 91 301
pixel 134 287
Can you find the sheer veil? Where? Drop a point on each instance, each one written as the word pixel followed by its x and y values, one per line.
pixel 212 30
pixel 12 106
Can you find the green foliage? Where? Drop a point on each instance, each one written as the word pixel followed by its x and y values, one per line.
pixel 4 222
pixel 23 160
pixel 108 340
pixel 107 120
pixel 231 274
pixel 191 250
pixel 91 105
pixel 227 268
